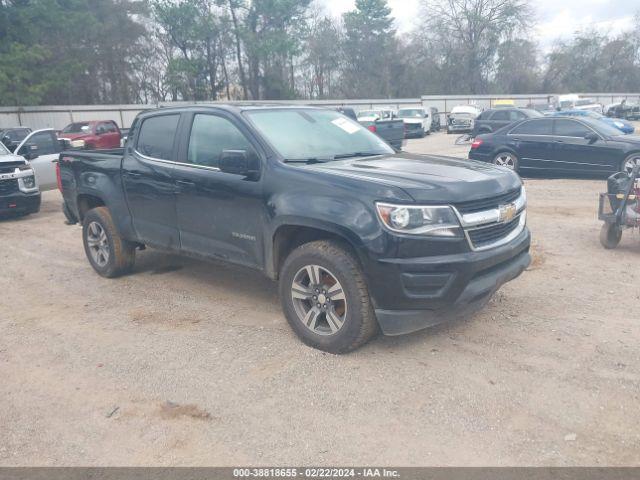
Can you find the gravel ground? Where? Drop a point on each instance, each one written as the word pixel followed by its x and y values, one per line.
pixel 188 363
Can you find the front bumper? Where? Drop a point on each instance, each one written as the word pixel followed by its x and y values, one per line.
pixel 460 128
pixel 421 292
pixel 20 203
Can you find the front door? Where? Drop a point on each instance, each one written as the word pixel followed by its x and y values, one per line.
pixel 148 183
pixel 219 214
pixel 575 153
pixel 46 146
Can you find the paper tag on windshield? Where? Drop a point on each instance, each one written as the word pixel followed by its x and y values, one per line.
pixel 346 125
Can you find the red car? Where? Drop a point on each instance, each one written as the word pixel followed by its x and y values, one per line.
pixel 99 134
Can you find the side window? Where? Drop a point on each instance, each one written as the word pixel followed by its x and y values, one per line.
pixel 570 128
pixel 210 136
pixel 500 116
pixel 515 115
pixel 157 135
pixel 534 127
pixel 46 142
pixel 110 127
pixel 101 129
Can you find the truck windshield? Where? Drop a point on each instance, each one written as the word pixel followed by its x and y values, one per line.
pixel 76 128
pixel 313 134
pixel 410 113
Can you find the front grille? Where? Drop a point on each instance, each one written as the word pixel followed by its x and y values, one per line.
pixel 488 203
pixel 7 187
pixel 9 167
pixel 484 236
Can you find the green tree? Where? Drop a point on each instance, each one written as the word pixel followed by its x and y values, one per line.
pixel 368 48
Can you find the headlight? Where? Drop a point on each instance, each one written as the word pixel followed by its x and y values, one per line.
pixel 27 180
pixel 431 221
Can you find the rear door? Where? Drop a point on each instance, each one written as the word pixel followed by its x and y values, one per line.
pixel 533 143
pixel 148 184
pixel 575 153
pixel 44 144
pixel 219 214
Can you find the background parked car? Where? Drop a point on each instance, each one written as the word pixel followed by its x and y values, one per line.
pixel 417 121
pixel 575 145
pixel 462 118
pixel 496 118
pixel 11 137
pixel 543 108
pixel 436 124
pixel 102 134
pixel 619 123
pixel 41 149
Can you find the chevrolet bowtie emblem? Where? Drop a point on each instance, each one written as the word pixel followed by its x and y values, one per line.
pixel 507 212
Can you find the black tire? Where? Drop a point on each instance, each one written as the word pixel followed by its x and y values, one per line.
pixel 121 253
pixel 513 156
pixel 359 321
pixel 610 236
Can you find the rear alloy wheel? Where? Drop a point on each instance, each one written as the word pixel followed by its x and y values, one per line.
pixel 325 297
pixel 108 253
pixel 507 160
pixel 630 162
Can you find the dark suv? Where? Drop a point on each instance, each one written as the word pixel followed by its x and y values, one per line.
pixel 496 118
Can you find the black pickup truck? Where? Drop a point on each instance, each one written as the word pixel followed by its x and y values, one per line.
pixel 360 237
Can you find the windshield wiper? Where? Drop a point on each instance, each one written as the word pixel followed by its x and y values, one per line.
pixel 357 154
pixel 307 161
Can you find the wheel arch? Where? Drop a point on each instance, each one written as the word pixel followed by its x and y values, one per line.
pixel 86 202
pixel 289 236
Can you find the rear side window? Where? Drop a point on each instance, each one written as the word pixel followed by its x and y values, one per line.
pixel 157 135
pixel 534 127
pixel 501 116
pixel 210 136
pixel 515 115
pixel 570 128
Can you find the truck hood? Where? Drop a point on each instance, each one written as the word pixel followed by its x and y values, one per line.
pixel 11 158
pixel 428 178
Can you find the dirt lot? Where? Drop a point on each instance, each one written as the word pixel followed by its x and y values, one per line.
pixel 187 363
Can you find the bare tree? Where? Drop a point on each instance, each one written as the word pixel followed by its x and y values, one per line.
pixel 469 33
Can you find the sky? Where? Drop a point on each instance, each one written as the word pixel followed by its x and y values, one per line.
pixel 555 19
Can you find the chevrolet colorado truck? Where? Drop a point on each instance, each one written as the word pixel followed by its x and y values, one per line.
pixel 360 238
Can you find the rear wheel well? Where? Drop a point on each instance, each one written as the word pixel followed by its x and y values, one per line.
pixel 88 202
pixel 289 237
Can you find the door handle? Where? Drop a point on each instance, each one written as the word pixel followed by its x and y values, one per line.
pixel 133 174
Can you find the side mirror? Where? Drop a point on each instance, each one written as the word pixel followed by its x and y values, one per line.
pixel 29 151
pixel 239 162
pixel 592 137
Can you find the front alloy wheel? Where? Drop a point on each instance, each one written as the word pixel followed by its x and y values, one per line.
pixel 319 300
